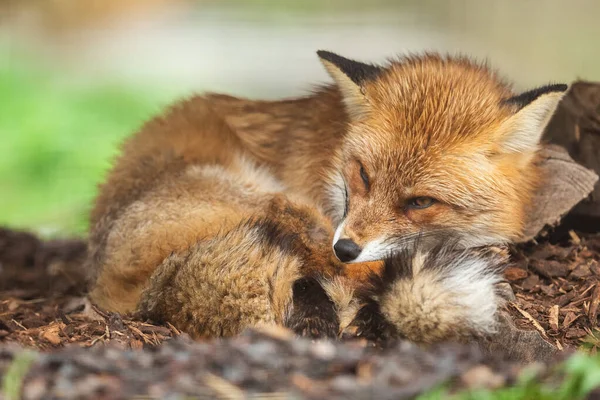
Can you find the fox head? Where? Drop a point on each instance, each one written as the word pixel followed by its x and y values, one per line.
pixel 436 148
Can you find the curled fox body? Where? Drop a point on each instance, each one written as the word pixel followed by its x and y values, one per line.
pixel 206 240
pixel 221 213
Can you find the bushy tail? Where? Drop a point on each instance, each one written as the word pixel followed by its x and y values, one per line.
pixel 437 295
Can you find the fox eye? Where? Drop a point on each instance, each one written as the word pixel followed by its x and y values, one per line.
pixel 364 177
pixel 421 202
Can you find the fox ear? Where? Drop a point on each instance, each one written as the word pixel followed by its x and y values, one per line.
pixel 522 132
pixel 350 76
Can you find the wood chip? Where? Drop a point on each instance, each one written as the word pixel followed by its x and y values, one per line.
pixel 565 298
pixel 51 334
pixel 587 290
pixel 550 268
pixel 175 331
pixel 581 271
pixel 153 329
pixel 569 319
pixel 593 311
pixel 574 238
pixel 533 321
pixel 549 291
pixel 559 345
pixel 12 305
pixel 575 333
pixel 570 184
pixel 595 267
pixel 553 317
pixel 139 333
pixel 514 274
pixel 17 323
pixel 531 282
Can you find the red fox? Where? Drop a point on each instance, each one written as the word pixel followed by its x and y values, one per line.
pixel 194 233
pixel 426 147
pixel 190 231
pixel 220 214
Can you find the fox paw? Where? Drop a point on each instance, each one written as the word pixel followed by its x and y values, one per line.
pixel 370 324
pixel 313 313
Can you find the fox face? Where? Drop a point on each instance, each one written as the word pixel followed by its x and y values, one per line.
pixel 437 148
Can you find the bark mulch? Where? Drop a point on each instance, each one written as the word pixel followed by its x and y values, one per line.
pixel 557 290
pixel 84 352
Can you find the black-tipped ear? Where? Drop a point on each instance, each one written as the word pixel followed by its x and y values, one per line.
pixel 522 132
pixel 358 72
pixel 525 98
pixel 350 76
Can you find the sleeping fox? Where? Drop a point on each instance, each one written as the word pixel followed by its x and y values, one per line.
pixel 221 213
pixel 199 236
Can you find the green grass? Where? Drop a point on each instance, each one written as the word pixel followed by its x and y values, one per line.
pixel 12 381
pixel 57 141
pixel 578 376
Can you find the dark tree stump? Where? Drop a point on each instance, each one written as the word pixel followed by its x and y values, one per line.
pixel 576 127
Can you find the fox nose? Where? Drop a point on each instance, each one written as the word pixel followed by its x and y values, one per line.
pixel 346 250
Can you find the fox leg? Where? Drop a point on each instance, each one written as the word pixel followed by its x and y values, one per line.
pixel 313 314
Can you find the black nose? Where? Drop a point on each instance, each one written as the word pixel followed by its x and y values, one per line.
pixel 346 250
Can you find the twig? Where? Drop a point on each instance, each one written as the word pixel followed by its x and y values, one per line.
pixel 534 322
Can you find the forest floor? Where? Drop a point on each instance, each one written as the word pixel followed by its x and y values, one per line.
pixel 53 341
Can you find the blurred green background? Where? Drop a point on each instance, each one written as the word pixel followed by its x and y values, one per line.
pixel 57 141
pixel 76 77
